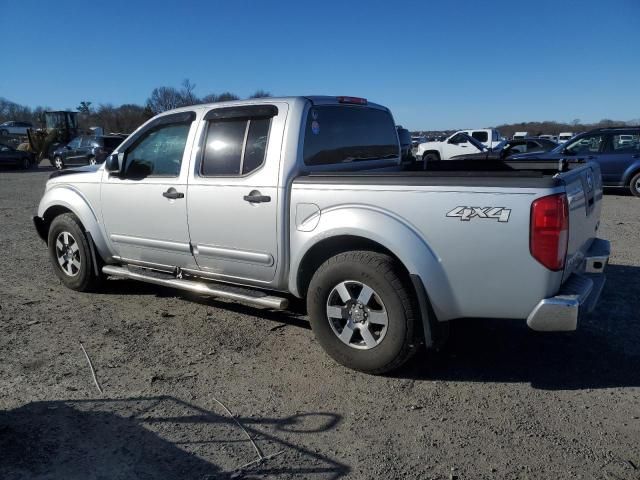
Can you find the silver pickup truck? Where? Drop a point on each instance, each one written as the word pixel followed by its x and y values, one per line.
pixel 260 201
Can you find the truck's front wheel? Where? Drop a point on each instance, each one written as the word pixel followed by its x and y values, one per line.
pixel 70 254
pixel 361 311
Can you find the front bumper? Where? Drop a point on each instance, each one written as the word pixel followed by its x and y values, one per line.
pixel 41 228
pixel 577 296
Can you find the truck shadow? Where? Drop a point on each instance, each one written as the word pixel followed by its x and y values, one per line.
pixel 44 167
pixel 604 352
pixel 154 437
pixel 294 316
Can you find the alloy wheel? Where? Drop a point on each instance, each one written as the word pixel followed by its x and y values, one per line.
pixel 68 254
pixel 357 315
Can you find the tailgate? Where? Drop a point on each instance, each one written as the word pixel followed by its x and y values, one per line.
pixel 584 195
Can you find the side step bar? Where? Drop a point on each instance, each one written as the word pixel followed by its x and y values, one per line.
pixel 251 297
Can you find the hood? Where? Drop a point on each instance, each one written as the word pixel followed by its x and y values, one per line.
pixel 87 173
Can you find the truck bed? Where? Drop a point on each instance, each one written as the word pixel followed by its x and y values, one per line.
pixel 490 173
pixel 483 257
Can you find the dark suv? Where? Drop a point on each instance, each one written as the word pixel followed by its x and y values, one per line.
pixel 85 150
pixel 617 150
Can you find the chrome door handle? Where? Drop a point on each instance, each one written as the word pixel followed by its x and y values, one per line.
pixel 256 197
pixel 172 193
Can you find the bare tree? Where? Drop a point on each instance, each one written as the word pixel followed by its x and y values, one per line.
pixel 188 97
pixel 260 94
pixel 211 98
pixel 226 96
pixel 163 99
pixel 84 107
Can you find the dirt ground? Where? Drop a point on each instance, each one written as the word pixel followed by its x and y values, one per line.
pixel 499 402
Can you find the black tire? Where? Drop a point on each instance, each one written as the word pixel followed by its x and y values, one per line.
pixel 428 158
pixel 58 162
pixel 382 274
pixel 634 185
pixel 81 278
pixel 92 160
pixel 4 133
pixel 26 163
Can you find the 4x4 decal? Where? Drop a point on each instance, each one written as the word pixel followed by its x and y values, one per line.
pixel 467 213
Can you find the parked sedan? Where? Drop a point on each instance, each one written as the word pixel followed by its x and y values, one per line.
pixel 85 150
pixel 18 158
pixel 506 148
pixel 14 128
pixel 617 150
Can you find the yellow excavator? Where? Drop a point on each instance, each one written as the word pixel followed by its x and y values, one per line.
pixel 60 128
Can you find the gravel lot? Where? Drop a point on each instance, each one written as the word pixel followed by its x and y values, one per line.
pixel 499 402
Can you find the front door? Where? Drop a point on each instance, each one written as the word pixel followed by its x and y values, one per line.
pixel 589 147
pixel 234 195
pixel 144 208
pixel 72 148
pixel 458 145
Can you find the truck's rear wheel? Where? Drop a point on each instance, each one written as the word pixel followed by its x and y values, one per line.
pixel 634 186
pixel 361 312
pixel 70 254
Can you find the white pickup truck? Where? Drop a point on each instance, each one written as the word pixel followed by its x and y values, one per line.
pixel 262 200
pixel 460 143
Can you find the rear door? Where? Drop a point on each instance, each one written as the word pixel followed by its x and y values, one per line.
pixel 233 192
pixel 618 154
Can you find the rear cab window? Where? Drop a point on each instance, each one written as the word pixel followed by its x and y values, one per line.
pixel 346 134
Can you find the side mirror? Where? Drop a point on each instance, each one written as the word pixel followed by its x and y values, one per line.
pixel 452 141
pixel 113 162
pixel 67 147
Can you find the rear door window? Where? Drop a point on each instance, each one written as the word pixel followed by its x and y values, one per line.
pixel 624 143
pixel 223 148
pixel 336 134
pixel 480 136
pixel 235 146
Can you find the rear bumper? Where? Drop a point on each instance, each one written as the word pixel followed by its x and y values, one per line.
pixel 577 296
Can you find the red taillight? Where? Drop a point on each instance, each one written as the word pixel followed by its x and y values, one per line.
pixel 356 100
pixel 550 230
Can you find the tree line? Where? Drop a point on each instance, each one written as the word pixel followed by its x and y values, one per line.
pixel 126 118
pixel 123 118
pixel 535 129
pixel 548 127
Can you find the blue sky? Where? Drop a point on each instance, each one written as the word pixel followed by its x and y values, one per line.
pixel 436 64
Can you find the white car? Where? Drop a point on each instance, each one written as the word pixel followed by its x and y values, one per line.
pixel 564 137
pixel 14 128
pixel 460 143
